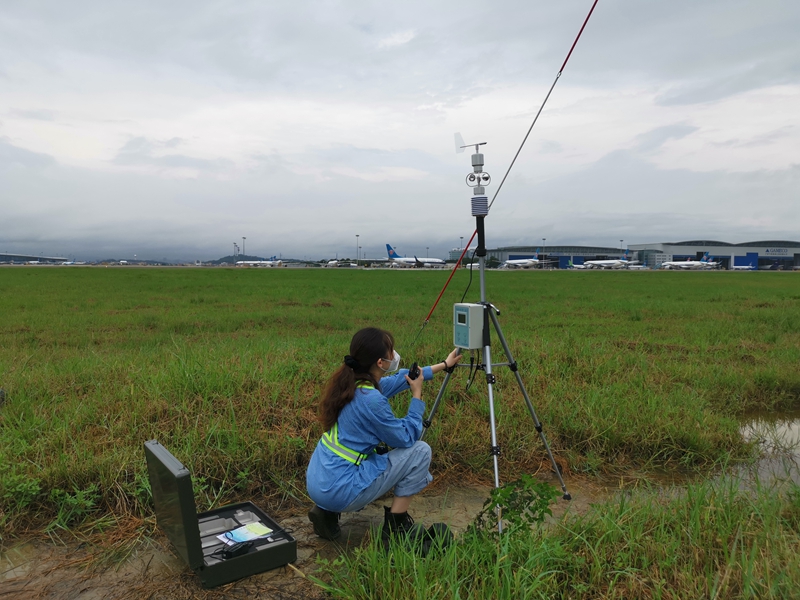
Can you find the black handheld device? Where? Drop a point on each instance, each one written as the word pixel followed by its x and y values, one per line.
pixel 237 549
pixel 413 372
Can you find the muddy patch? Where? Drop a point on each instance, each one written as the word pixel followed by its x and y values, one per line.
pixel 35 569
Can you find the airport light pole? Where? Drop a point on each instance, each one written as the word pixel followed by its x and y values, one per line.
pixel 620 245
pixel 356 248
pixel 544 249
pixel 461 244
pixel 244 252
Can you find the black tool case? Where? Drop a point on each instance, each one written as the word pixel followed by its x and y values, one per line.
pixel 194 536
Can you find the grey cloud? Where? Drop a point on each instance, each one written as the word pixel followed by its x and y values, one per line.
pixel 140 151
pixel 622 196
pixel 711 49
pixel 689 51
pixel 551 147
pixel 767 138
pixel 655 138
pixel 372 157
pixel 38 115
pixel 137 145
pixel 13 156
pixel 763 139
pixel 717 86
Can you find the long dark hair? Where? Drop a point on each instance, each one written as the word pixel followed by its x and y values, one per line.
pixel 366 347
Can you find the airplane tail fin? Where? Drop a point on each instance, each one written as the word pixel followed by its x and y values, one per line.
pixel 705 258
pixel 391 252
pixel 536 254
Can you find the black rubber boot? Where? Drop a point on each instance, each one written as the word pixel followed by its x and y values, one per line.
pixel 326 523
pixel 400 527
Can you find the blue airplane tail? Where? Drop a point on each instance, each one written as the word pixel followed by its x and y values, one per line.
pixel 391 252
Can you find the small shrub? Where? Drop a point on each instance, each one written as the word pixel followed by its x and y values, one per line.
pixel 73 508
pixel 525 503
pixel 18 491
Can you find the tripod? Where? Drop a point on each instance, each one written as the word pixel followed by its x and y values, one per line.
pixel 489 315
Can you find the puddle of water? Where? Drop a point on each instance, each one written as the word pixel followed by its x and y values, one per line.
pixel 778 435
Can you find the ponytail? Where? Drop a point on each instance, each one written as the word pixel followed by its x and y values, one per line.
pixel 366 347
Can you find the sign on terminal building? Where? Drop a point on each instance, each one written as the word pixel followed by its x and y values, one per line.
pixel 777 252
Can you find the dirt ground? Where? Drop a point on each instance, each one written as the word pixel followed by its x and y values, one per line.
pixel 37 570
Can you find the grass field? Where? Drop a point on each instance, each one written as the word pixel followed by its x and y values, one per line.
pixel 224 367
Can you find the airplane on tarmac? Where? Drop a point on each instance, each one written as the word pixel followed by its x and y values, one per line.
pixel 333 264
pixel 403 262
pixel 691 265
pixel 775 266
pixel 638 267
pixel 522 263
pixel 610 263
pixel 743 268
pixel 272 262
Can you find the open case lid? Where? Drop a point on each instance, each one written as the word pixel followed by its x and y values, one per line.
pixel 173 498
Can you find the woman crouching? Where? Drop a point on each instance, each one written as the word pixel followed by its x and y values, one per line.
pixel 346 472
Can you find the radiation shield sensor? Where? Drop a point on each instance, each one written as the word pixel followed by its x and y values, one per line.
pixel 468 326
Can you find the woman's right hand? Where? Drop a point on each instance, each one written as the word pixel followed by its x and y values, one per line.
pixel 416 386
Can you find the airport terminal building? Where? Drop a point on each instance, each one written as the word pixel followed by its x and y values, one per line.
pixel 6 257
pixel 769 254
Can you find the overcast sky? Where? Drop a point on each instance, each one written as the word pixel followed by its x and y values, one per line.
pixel 172 129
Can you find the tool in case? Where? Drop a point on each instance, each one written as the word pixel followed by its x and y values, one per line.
pixel 199 538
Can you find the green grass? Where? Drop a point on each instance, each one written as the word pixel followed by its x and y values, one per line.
pixel 224 367
pixel 711 540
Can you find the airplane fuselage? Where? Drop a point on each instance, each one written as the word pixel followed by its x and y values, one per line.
pixel 522 263
pixel 259 263
pixel 606 264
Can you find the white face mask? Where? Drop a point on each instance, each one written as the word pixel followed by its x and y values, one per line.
pixel 394 364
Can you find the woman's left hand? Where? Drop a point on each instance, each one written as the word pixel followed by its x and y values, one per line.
pixel 415 385
pixel 452 358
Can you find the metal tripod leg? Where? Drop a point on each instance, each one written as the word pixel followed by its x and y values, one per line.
pixel 495 449
pixel 536 423
pixel 427 422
